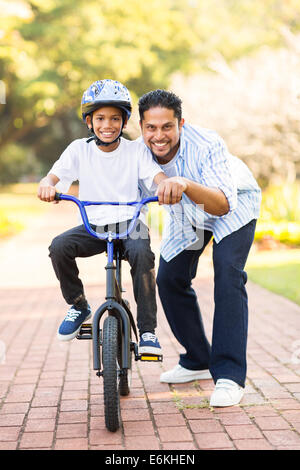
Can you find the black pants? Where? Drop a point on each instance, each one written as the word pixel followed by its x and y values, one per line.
pixel 77 242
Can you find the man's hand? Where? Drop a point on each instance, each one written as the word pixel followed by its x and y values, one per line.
pixel 170 190
pixel 46 190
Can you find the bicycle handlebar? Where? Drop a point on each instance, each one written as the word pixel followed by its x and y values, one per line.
pixel 109 235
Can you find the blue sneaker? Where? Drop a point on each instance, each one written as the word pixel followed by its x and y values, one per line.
pixel 70 327
pixel 149 344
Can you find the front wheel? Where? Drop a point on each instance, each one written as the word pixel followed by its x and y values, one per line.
pixel 110 374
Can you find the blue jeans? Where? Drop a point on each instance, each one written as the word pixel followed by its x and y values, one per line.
pixel 226 357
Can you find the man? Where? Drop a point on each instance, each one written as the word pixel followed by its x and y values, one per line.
pixel 221 199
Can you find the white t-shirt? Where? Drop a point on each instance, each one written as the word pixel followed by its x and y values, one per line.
pixel 106 176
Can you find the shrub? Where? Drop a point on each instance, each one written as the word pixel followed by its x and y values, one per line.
pixel 280 214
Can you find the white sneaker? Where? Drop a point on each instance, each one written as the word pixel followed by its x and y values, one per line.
pixel 179 375
pixel 226 393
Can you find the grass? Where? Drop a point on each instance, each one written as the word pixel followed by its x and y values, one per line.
pixel 180 405
pixel 18 207
pixel 277 271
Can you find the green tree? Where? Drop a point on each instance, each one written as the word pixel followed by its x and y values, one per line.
pixel 51 50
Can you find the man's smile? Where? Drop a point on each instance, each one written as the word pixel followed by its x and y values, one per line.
pixel 160 145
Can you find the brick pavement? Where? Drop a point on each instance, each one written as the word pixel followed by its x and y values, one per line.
pixel 52 399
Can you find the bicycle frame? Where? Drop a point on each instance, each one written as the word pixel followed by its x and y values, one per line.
pixel 113 286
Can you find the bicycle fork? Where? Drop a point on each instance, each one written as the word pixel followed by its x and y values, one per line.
pixel 113 307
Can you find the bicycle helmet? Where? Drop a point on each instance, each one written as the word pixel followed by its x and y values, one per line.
pixel 106 93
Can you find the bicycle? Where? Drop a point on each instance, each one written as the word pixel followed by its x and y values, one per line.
pixel 114 339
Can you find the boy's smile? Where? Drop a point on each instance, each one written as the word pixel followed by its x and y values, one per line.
pixel 107 124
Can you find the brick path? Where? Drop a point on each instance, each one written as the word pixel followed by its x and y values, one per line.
pixel 52 399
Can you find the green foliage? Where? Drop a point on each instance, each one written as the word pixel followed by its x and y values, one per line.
pixel 281 202
pixel 283 232
pixel 156 217
pixel 51 50
pixel 8 227
pixel 19 207
pixel 16 161
pixel 280 214
pixel 54 53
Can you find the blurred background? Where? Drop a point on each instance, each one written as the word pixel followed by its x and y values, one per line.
pixel 234 63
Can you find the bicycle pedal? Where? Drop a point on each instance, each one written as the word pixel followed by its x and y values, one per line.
pixel 151 357
pixel 85 332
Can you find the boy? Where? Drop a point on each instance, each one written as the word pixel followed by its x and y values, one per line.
pixel 108 168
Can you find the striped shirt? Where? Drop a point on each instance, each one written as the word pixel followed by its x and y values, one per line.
pixel 203 157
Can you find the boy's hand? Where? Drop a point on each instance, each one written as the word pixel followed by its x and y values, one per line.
pixel 46 193
pixel 170 190
pixel 46 190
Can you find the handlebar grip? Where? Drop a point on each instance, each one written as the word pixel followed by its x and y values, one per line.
pixel 57 197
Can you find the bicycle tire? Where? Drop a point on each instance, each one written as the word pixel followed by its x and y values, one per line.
pixel 111 374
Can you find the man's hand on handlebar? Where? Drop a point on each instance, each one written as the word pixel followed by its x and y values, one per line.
pixel 170 190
